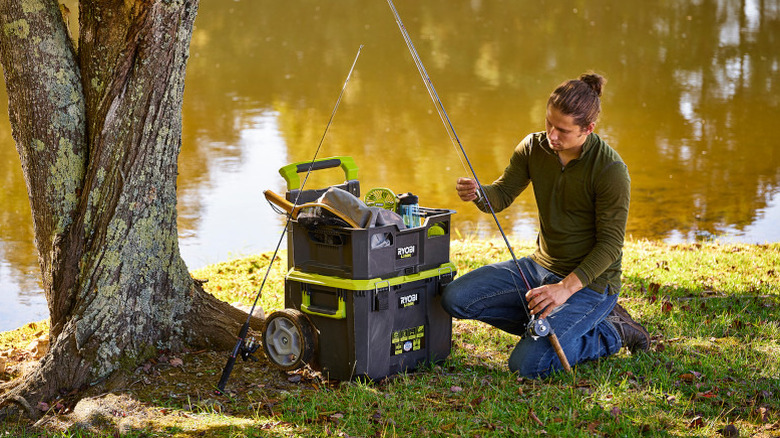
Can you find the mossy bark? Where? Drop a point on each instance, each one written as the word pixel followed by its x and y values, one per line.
pixel 98 131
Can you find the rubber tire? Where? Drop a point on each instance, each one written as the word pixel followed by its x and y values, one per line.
pixel 289 339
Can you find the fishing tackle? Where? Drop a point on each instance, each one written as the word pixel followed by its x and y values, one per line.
pixel 245 348
pixel 536 327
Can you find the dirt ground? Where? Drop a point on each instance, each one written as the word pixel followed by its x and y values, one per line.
pixel 170 392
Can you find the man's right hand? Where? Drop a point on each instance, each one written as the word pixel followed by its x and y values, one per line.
pixel 467 189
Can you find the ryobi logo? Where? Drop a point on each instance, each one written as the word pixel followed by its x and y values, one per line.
pixel 408 300
pixel 405 252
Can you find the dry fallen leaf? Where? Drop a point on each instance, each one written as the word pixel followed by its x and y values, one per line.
pixel 763 413
pixel 39 346
pixel 477 401
pixel 696 422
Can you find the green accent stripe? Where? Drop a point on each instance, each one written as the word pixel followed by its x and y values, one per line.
pixel 370 284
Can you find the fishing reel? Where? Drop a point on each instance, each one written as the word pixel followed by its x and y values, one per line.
pixel 537 328
pixel 248 349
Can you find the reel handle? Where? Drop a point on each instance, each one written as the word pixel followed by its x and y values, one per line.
pixel 540 328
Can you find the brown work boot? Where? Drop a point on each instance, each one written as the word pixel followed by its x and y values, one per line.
pixel 634 336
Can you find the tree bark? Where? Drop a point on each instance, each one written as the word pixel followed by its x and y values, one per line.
pixel 99 132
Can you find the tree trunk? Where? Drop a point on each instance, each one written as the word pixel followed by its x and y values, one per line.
pixel 99 133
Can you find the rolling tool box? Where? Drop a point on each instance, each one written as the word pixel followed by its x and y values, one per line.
pixel 361 302
pixel 374 328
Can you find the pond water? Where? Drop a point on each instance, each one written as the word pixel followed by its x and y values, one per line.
pixel 693 92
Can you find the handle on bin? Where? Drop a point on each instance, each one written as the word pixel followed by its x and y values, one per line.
pixel 295 209
pixel 339 313
pixel 290 172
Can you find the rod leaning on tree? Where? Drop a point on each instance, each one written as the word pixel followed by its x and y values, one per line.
pixel 582 190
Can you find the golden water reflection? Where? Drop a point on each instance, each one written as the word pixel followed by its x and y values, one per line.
pixel 690 104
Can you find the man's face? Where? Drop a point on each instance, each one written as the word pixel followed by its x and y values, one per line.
pixel 563 134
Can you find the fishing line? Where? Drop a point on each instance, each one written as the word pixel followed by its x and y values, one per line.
pixel 451 132
pixel 539 324
pixel 245 328
pixel 305 178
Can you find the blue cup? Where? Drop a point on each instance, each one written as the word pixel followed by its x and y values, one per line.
pixel 409 209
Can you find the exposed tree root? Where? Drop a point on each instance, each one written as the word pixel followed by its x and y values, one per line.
pixel 23 402
pixel 62 371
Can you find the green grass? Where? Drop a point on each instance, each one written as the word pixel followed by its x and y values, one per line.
pixel 714 363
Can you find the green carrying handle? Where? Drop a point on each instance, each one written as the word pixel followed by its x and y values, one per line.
pixel 290 172
pixel 340 313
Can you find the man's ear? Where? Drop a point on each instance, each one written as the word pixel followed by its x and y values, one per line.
pixel 589 129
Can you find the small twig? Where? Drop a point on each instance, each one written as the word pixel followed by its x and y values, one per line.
pixel 45 419
pixel 535 418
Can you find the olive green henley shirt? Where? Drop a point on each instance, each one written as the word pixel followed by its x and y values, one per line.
pixel 583 207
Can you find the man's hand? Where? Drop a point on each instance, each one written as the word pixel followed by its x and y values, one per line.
pixel 467 189
pixel 544 299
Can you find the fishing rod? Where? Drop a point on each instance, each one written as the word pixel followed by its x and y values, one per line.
pixel 246 349
pixel 536 327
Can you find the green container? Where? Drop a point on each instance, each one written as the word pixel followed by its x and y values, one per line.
pixel 374 328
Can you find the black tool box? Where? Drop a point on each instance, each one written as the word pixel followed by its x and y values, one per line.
pixel 374 328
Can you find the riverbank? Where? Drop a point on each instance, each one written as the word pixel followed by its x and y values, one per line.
pixel 713 311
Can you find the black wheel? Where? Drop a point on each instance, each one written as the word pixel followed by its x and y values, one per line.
pixel 288 339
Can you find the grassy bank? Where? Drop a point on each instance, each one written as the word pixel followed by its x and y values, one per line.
pixel 712 370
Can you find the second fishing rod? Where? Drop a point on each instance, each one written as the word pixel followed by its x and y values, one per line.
pixel 245 348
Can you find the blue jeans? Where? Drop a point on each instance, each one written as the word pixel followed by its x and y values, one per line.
pixel 495 294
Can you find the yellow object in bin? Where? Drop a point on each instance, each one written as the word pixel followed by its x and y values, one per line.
pixel 381 197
